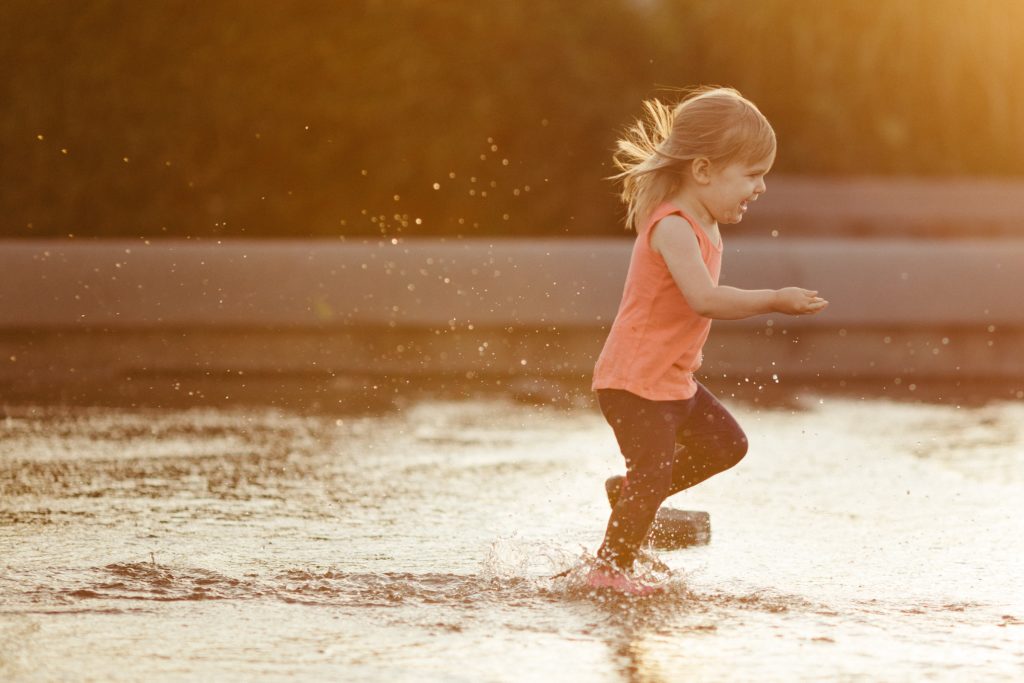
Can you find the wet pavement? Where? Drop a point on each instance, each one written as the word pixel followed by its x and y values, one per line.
pixel 859 540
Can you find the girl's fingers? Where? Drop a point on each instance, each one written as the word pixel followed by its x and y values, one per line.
pixel 815 305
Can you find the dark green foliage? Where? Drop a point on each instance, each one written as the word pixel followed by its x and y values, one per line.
pixel 292 119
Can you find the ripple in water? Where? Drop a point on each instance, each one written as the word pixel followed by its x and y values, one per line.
pixel 511 574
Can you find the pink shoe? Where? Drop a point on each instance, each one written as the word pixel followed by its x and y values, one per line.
pixel 618 581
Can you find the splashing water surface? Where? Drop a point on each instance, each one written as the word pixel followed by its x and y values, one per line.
pixel 859 539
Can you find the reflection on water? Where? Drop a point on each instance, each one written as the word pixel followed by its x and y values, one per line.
pixel 859 539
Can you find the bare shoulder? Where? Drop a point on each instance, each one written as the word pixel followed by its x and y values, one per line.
pixel 673 234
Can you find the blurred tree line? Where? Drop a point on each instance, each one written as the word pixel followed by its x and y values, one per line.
pixel 299 118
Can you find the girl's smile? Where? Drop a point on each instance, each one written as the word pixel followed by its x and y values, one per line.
pixel 731 188
pixel 719 193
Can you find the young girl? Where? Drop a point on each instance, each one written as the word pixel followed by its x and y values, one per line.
pixel 685 171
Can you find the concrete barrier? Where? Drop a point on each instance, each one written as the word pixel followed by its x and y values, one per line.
pixel 436 283
pixel 81 313
pixel 888 207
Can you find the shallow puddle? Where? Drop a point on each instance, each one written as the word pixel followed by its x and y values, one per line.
pixel 859 539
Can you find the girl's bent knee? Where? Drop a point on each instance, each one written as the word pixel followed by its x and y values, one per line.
pixel 738 450
pixel 742 445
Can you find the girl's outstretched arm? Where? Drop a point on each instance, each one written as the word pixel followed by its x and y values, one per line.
pixel 673 238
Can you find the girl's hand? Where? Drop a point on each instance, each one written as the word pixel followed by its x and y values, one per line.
pixel 798 301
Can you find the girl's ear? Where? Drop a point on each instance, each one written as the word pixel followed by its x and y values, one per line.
pixel 700 168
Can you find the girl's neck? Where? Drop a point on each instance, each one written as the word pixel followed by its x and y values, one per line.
pixel 693 207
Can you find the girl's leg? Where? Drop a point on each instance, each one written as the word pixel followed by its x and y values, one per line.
pixel 710 441
pixel 646 432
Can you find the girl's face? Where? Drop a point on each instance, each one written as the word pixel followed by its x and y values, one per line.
pixel 731 187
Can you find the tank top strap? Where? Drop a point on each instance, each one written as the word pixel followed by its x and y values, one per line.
pixel 669 209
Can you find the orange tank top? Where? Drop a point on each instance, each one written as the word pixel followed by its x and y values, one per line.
pixel 655 343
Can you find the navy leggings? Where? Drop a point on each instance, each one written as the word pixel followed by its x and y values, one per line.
pixel 709 441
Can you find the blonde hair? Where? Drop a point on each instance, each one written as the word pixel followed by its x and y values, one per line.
pixel 716 123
